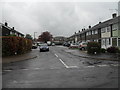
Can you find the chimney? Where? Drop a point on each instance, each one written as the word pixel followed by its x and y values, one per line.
pixel 6 24
pixel 99 22
pixel 79 31
pixel 75 32
pixel 12 28
pixel 82 29
pixel 89 26
pixel 114 15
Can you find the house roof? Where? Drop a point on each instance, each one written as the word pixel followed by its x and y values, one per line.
pixel 101 25
pixel 11 29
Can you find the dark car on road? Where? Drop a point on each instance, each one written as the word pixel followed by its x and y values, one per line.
pixel 66 44
pixel 44 47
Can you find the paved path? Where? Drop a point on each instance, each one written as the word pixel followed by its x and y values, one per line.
pixel 59 69
pixel 30 55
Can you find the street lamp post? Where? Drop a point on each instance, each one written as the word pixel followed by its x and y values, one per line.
pixel 34 36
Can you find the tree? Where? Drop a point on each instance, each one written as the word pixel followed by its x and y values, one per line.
pixel 45 36
pixel 28 36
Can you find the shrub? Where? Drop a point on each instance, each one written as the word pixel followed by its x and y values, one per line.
pixel 93 47
pixel 113 49
pixel 12 45
pixel 102 50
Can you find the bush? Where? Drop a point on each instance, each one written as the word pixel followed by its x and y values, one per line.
pixel 113 49
pixel 12 45
pixel 93 47
pixel 102 50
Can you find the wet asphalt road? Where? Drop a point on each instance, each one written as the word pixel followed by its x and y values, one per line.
pixel 59 69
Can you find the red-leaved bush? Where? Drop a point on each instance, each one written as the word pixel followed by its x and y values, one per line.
pixel 12 45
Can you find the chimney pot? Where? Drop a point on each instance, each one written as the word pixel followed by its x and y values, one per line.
pixel 89 26
pixel 114 15
pixel 6 24
pixel 13 28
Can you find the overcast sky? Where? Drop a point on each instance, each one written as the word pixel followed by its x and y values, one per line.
pixel 59 18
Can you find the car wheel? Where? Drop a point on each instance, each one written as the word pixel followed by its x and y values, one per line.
pixel 83 48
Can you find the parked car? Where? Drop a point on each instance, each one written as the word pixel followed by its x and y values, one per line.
pixel 66 44
pixel 53 44
pixel 44 47
pixel 49 43
pixel 73 45
pixel 34 46
pixel 83 46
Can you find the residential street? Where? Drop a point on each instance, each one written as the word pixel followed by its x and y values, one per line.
pixel 59 69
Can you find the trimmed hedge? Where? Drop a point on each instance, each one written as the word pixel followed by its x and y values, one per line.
pixel 93 47
pixel 12 45
pixel 113 49
pixel 102 50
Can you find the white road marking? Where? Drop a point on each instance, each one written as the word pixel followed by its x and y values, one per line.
pixel 36 68
pixel 63 63
pixel 7 70
pixel 114 64
pixel 56 55
pixel 73 67
pixel 104 65
pixel 90 66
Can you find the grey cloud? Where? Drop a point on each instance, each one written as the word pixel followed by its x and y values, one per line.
pixel 61 19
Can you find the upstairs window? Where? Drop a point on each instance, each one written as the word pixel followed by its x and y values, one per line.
pixel 115 27
pixel 93 32
pixel 108 29
pixel 96 31
pixel 103 30
pixel 87 33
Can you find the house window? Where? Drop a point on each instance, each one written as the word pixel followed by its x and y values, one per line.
pixel 114 41
pixel 118 41
pixel 115 27
pixel 96 31
pixel 93 32
pixel 108 41
pixel 108 29
pixel 89 32
pixel 103 30
pixel 10 32
pixel 103 41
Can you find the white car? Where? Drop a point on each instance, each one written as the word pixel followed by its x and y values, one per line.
pixel 74 45
pixel 83 46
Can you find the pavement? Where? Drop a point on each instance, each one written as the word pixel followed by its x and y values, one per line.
pixel 16 58
pixel 101 56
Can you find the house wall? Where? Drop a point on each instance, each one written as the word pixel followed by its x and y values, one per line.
pixel 5 31
pixel 107 34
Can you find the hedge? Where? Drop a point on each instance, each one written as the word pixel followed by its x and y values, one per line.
pixel 93 47
pixel 12 45
pixel 113 49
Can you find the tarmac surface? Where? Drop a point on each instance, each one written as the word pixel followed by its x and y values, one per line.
pixel 60 68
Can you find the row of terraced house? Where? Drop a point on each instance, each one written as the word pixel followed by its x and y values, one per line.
pixel 107 33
